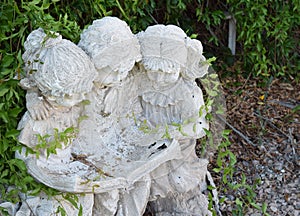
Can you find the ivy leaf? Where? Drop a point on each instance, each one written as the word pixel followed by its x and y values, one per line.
pixel 7 60
pixel 13 133
pixel 15 112
pixel 3 91
pixel 255 205
pixel 238 202
pixel 4 117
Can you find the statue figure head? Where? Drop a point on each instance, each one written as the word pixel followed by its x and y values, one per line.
pixel 196 65
pixel 164 52
pixel 60 70
pixel 113 48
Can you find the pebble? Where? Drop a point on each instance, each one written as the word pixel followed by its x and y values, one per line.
pixel 255 162
pixel 273 209
pixel 290 209
pixel 278 188
pixel 278 166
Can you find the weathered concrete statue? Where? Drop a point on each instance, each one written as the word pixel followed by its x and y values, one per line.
pixel 115 121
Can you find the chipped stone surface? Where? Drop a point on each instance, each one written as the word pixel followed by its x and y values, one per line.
pixel 134 140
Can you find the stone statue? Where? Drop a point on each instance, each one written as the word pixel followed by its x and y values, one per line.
pixel 115 120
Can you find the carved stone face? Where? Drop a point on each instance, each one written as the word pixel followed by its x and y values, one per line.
pixel 66 100
pixel 163 77
pixel 110 78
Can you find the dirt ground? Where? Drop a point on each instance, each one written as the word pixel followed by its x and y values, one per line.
pixel 265 137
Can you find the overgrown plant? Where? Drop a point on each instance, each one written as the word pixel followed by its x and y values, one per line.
pixel 244 194
pixel 218 141
pixel 17 19
pixel 269 34
pixel 58 140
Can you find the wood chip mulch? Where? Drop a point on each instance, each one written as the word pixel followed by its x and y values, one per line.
pixel 268 117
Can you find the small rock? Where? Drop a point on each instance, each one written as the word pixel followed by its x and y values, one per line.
pixel 278 166
pixel 279 178
pixel 273 209
pixel 290 209
pixel 255 162
pixel 230 197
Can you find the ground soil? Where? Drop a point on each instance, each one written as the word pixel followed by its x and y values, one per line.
pixel 265 138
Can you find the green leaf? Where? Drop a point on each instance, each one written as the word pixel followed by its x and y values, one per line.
pixel 224 179
pixel 61 210
pixel 209 187
pixel 264 208
pixel 210 60
pixel 13 133
pixel 4 173
pixel 222 199
pixel 3 91
pixel 226 132
pixel 69 130
pixel 72 198
pixel 217 170
pixel 194 36
pixel 238 202
pixel 15 112
pixel 7 60
pixel 80 211
pixel 20 164
pixel 296 108
pixel 232 158
pixel 4 117
pixel 213 76
pixel 212 93
pixel 35 191
pixel 255 205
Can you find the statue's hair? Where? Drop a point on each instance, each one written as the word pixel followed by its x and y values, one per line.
pixel 168 49
pixel 57 66
pixel 111 44
pixel 163 48
pixel 196 65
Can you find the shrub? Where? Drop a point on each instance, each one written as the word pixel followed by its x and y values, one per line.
pixel 269 34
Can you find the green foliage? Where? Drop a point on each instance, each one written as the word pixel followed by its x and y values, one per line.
pixel 73 199
pixel 269 33
pixel 58 140
pixel 17 19
pixel 136 13
pixel 226 160
pixel 243 192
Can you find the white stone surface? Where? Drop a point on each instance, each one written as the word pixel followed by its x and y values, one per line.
pixel 136 142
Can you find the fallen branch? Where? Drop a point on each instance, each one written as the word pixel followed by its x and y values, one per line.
pixel 285 104
pixel 292 140
pixel 271 124
pixel 236 131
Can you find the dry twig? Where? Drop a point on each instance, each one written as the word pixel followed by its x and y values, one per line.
pixel 237 131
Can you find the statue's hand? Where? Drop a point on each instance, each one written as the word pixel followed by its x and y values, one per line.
pixel 37 106
pixel 71 119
